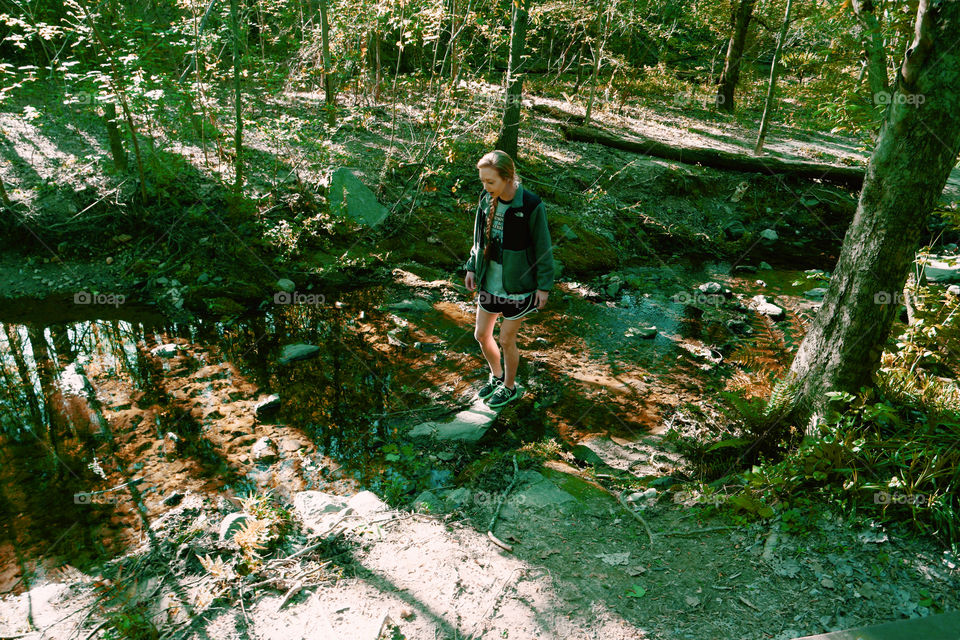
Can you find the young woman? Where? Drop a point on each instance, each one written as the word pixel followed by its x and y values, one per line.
pixel 511 263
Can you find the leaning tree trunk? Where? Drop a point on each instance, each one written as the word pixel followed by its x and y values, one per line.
pixel 873 49
pixel 740 21
pixel 916 150
pixel 507 140
pixel 596 67
pixel 772 88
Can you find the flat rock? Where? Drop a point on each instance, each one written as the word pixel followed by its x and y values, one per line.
pixel 350 197
pixel 468 425
pixel 320 511
pixel 427 499
pixel 291 444
pixel 759 302
pixel 416 304
pixel 458 497
pixel 643 332
pixel 268 405
pixel 366 503
pixel 540 493
pixel 942 270
pixel 294 352
pixel 263 450
pixel 165 350
pixel 711 288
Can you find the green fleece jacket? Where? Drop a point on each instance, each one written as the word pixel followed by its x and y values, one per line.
pixel 527 248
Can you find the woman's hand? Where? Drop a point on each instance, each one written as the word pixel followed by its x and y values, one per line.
pixel 540 298
pixel 469 282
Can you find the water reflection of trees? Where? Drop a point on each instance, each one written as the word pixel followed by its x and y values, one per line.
pixel 52 423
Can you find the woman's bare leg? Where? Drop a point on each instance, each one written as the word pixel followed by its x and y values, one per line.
pixel 511 353
pixel 484 335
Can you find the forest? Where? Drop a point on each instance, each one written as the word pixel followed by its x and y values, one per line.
pixel 250 361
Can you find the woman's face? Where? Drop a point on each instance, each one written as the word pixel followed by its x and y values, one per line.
pixel 492 181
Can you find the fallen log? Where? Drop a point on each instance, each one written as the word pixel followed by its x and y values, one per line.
pixel 560 114
pixel 851 177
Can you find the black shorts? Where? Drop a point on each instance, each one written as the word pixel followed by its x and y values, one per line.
pixel 511 309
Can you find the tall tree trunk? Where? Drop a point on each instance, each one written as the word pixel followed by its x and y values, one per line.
pixel 507 140
pixel 327 66
pixel 196 42
pixel 113 135
pixel 238 105
pixel 378 69
pixel 771 89
pixel 550 52
pixel 917 148
pixel 740 17
pixel 873 49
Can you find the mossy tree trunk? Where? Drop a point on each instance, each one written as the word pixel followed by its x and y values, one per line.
pixel 917 148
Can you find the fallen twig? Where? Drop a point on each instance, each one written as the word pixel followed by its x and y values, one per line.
pixel 500 543
pixel 636 515
pixel 748 603
pixel 97 628
pixel 294 590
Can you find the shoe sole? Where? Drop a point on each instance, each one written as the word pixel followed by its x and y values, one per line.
pixel 515 397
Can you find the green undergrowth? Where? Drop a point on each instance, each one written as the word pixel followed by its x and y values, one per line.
pixel 874 456
pixel 888 453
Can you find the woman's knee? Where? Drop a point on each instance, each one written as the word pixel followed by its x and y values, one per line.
pixel 508 342
pixel 482 334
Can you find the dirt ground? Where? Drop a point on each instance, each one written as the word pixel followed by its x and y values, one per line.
pixel 582 565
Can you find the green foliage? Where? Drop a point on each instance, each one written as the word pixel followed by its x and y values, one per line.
pixel 890 462
pixel 765 423
pixel 850 113
pixel 132 623
pixel 406 470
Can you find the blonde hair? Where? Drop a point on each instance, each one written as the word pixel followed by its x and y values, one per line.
pixel 502 163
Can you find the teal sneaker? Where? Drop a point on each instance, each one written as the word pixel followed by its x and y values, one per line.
pixel 487 390
pixel 502 395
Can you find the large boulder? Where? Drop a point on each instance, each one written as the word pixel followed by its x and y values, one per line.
pixel 350 197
